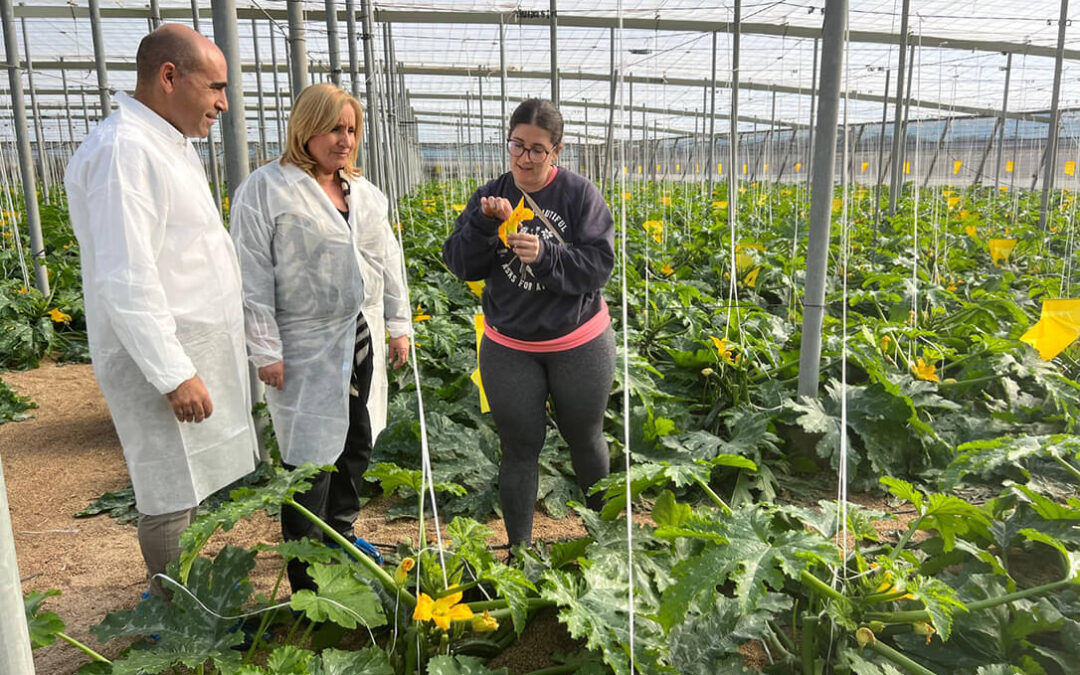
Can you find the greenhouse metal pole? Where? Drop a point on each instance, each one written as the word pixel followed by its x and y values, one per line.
pixel 881 166
pixel 986 152
pixel 733 137
pixel 1001 131
pixel 502 82
pixel 67 103
pixel 22 141
pixel 393 113
pixel 896 177
pixel 261 122
pixel 813 112
pixel 609 155
pixel 553 34
pixel 86 112
pixel 369 86
pixel 937 151
pixel 211 149
pixel 332 45
pixel 712 171
pixel 278 112
pixel 817 255
pixel 354 59
pixel 15 655
pixel 483 144
pixel 39 128
pixel 1055 118
pixel 155 14
pixel 233 128
pixel 298 70
pixel 99 58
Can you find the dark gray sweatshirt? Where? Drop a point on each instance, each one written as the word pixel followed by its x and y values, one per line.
pixel 562 289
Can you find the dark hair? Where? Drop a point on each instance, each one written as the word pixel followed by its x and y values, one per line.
pixel 167 44
pixel 541 113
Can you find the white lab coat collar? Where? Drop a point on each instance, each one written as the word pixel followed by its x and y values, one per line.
pixel 144 114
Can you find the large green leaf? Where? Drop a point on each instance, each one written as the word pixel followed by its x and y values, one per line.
pixel 43 626
pixel 341 598
pixel 461 665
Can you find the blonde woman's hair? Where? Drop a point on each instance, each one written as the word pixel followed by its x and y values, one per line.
pixel 316 111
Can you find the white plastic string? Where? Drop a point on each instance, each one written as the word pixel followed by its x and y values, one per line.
pixel 626 353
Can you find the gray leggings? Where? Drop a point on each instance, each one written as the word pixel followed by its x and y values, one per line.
pixel 518 385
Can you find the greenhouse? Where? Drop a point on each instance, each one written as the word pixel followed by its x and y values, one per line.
pixel 771 303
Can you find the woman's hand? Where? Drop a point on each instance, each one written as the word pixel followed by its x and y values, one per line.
pixel 496 207
pixel 525 246
pixel 273 375
pixel 399 350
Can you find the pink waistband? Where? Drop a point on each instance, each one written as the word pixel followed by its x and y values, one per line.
pixel 575 338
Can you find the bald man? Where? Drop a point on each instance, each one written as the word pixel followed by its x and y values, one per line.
pixel 161 285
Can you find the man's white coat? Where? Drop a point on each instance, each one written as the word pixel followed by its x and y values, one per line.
pixel 161 286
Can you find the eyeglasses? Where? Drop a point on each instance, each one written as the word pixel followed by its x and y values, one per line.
pixel 536 153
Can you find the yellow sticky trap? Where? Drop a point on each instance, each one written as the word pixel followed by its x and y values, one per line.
pixel 766 169
pixel 658 167
pixel 1009 166
pixel 719 168
pixel 746 261
pixel 477 287
pixel 438 169
pixel 1070 168
pixel 639 168
pixel 520 214
pixel 956 166
pixel 678 167
pixel 907 167
pixel 478 323
pixel 865 166
pixel 1057 328
pixel 1000 250
pixel 744 169
pixel 798 165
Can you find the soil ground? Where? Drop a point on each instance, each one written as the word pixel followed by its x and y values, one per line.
pixel 68 454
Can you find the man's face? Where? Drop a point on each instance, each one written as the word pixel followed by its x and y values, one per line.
pixel 199 95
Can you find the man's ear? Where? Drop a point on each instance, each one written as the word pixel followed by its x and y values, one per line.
pixel 167 76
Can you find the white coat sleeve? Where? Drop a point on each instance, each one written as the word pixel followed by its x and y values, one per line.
pixel 252 230
pixel 396 309
pixel 127 227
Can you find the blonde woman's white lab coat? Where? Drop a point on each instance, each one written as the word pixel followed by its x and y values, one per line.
pixel 307 274
pixel 161 285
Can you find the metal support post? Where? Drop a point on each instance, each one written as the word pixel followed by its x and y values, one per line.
pixel 261 155
pixel 155 14
pixel 39 128
pixel 22 142
pixel 372 163
pixel 99 58
pixel 553 34
pixel 1050 167
pixel 881 151
pixel 211 148
pixel 986 152
pixel 896 177
pixel 502 84
pixel 279 113
pixel 937 151
pixel 15 656
pixel 817 255
pixel 1004 109
pixel 67 103
pixel 813 104
pixel 234 127
pixel 733 137
pixel 711 169
pixel 333 46
pixel 483 142
pixel 609 174
pixel 298 69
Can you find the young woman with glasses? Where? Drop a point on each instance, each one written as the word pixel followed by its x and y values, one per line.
pixel 547 328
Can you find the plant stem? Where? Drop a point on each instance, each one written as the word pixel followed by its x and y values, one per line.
pixel 887 596
pixel 1018 595
pixel 899 659
pixel 712 495
pixel 460 588
pixel 822 588
pixel 1065 464
pixel 292 631
pixel 267 616
pixel 809 643
pixel 909 616
pixel 307 633
pixel 379 573
pixel 974 380
pixel 533 603
pixel 899 548
pixel 83 648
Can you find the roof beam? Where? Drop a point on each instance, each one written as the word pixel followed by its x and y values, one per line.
pixel 458 71
pixel 519 17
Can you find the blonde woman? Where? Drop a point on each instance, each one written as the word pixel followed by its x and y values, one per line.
pixel 322 284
